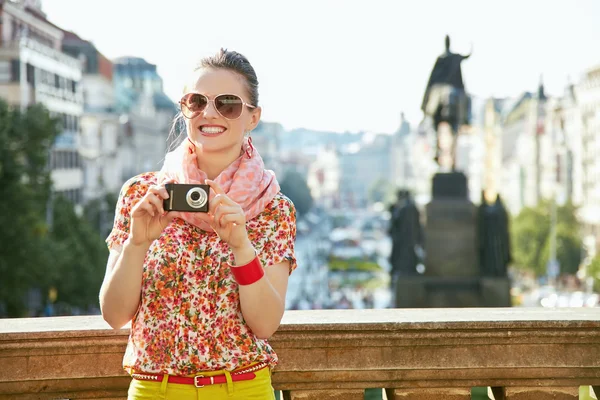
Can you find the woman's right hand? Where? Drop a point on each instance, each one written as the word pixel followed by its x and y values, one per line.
pixel 148 217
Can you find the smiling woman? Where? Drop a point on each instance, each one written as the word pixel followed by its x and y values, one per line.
pixel 204 290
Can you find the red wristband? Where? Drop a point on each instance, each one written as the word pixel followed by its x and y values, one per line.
pixel 249 273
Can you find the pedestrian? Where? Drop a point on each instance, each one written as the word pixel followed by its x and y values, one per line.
pixel 203 290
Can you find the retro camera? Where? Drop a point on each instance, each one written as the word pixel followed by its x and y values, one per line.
pixel 188 198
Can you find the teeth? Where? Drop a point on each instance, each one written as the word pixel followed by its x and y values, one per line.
pixel 212 129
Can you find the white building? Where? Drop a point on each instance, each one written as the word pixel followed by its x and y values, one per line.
pixel 146 113
pixel 526 153
pixel 33 69
pixel 324 178
pixel 402 156
pixel 470 152
pixel 569 127
pixel 101 143
pixel 266 138
pixel 588 96
pixel 364 167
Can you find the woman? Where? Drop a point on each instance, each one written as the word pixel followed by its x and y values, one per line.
pixel 203 291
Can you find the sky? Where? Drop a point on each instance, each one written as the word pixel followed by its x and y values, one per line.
pixel 349 65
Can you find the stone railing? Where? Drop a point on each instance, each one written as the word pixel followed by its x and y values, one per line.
pixel 335 354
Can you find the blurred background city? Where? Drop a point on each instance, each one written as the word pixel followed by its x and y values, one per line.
pixel 88 91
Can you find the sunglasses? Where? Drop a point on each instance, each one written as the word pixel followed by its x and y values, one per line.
pixel 229 106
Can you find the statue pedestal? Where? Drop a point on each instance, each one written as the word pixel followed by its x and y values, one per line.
pixel 443 292
pixel 451 228
pixel 452 275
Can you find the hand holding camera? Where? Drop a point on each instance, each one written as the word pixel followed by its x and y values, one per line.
pixel 149 218
pixel 161 204
pixel 227 218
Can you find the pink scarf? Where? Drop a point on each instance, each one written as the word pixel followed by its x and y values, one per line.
pixel 245 181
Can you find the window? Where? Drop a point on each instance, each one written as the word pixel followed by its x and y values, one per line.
pixel 15 70
pixel 30 74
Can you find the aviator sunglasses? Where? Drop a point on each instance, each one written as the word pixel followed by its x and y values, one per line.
pixel 229 106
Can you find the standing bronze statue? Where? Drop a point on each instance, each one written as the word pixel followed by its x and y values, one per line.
pixel 445 99
pixel 494 240
pixel 407 235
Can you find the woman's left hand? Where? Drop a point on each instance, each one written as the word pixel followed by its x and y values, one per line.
pixel 226 217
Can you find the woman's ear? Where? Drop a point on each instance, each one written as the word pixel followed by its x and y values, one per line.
pixel 254 119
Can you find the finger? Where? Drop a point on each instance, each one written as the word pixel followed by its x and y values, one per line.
pixel 237 219
pixel 164 182
pixel 215 186
pixel 147 208
pixel 156 202
pixel 224 210
pixel 166 219
pixel 159 191
pixel 217 201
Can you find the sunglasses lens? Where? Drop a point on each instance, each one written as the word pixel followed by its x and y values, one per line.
pixel 192 104
pixel 229 106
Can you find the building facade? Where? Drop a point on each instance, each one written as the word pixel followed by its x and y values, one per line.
pixel 145 111
pixel 324 178
pixel 365 168
pixel 101 141
pixel 588 96
pixel 266 137
pixel 33 69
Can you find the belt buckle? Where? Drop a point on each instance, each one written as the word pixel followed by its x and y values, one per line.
pixel 196 381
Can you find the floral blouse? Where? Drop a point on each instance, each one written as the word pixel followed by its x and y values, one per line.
pixel 189 319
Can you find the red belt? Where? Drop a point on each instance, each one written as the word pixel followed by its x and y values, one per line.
pixel 199 381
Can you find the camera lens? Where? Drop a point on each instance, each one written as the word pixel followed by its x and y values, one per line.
pixel 196 197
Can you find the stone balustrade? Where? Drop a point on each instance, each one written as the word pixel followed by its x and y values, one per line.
pixel 417 354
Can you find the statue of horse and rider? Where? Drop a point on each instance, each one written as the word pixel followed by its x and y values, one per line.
pixel 446 100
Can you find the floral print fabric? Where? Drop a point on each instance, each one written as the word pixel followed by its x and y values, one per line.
pixel 189 319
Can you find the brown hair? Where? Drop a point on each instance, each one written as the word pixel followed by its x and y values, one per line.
pixel 236 62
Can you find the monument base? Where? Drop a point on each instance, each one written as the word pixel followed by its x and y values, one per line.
pixel 451 229
pixel 451 292
pixel 453 275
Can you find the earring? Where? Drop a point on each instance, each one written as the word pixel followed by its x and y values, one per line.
pixel 191 149
pixel 249 148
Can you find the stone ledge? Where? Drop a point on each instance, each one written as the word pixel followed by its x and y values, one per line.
pixel 79 357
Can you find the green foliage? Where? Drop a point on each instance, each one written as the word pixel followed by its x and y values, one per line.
pixel 79 257
pixel 568 250
pixel 294 186
pixel 593 270
pixel 100 213
pixel 25 142
pixel 353 264
pixel 531 233
pixel 69 256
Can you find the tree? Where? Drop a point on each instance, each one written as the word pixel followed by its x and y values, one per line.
pixel 25 142
pixel 100 213
pixel 531 230
pixel 70 255
pixel 294 186
pixel 593 270
pixel 80 256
